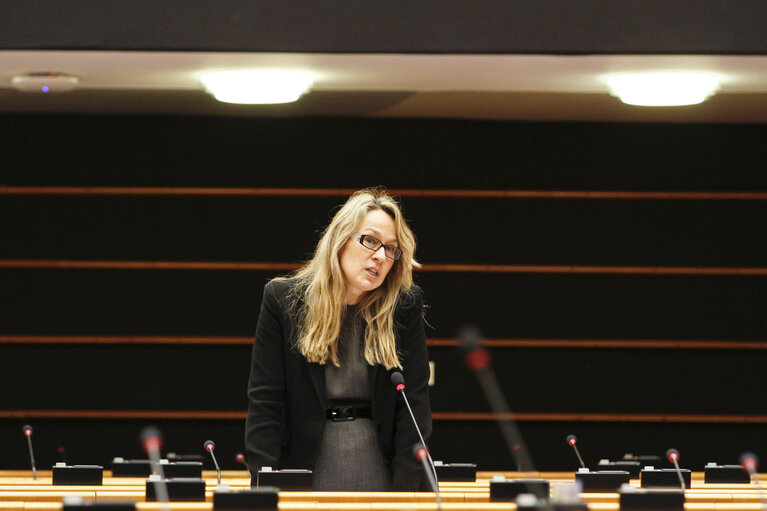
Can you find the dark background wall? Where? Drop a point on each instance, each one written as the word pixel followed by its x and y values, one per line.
pixel 634 321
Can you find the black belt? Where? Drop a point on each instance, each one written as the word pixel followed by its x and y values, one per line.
pixel 349 413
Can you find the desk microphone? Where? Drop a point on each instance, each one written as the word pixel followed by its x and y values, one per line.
pixel 571 441
pixel 478 360
pixel 422 455
pixel 151 442
pixel 673 457
pixel 62 454
pixel 240 458
pixel 210 447
pixel 27 429
pixel 399 384
pixel 750 463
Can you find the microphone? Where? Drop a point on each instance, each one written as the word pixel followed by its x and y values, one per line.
pixel 62 454
pixel 750 463
pixel 399 384
pixel 673 457
pixel 422 455
pixel 571 441
pixel 151 442
pixel 398 380
pixel 210 447
pixel 478 360
pixel 27 429
pixel 240 458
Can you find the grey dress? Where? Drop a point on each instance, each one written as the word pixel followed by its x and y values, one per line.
pixel 350 458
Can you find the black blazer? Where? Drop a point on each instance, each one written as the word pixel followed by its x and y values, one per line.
pixel 287 394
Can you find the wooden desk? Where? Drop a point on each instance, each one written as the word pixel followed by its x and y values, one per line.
pixel 19 492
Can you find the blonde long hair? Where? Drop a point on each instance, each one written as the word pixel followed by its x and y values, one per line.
pixel 319 294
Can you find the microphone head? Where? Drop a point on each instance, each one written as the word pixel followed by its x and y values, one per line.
pixel 477 357
pixel 672 455
pixel 571 440
pixel 27 429
pixel 749 462
pixel 239 457
pixel 470 337
pixel 209 445
pixel 151 438
pixel 419 451
pixel 397 379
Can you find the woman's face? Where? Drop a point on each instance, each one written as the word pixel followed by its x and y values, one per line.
pixel 365 269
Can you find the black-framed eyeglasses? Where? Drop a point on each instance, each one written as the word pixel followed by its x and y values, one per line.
pixel 374 244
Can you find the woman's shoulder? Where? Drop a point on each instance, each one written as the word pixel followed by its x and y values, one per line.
pixel 410 300
pixel 280 285
pixel 279 289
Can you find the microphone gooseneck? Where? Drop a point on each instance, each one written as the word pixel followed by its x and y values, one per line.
pixel 210 447
pixel 422 454
pixel 572 441
pixel 27 429
pixel 151 442
pixel 673 457
pixel 399 384
pixel 750 463
pixel 478 361
pixel 240 458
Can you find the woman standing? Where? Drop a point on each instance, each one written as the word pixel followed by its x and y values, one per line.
pixel 328 338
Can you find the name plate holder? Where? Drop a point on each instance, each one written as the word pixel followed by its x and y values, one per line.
pixel 92 475
pixel 601 481
pixel 713 473
pixel 265 498
pixel 632 467
pixel 504 490
pixel 456 472
pixel 664 478
pixel 180 489
pixel 633 499
pixel 286 479
pixel 130 468
pixel 182 469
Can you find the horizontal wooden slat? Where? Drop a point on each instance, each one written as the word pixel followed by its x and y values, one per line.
pixel 149 190
pixel 122 339
pixel 436 343
pixel 439 416
pixel 145 265
pixel 344 192
pixel 608 343
pixel 459 268
pixel 122 414
pixel 614 270
pixel 603 417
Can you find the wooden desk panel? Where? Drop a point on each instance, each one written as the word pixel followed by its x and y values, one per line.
pixel 19 492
